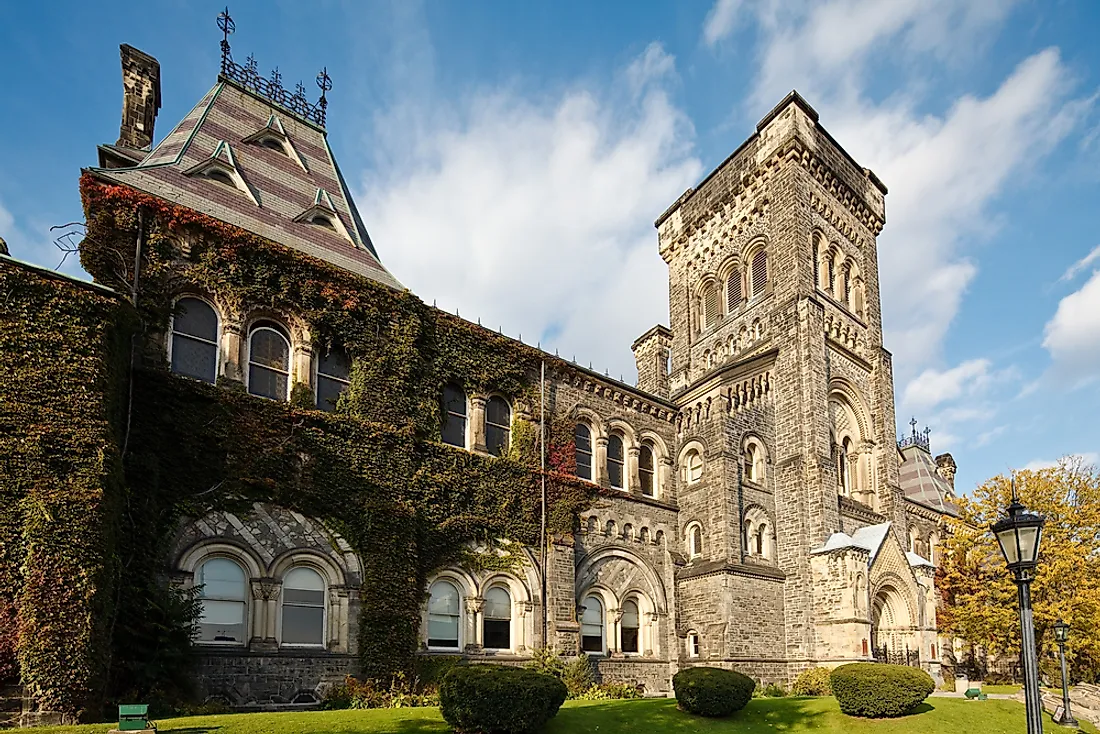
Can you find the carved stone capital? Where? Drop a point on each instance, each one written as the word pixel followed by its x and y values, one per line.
pixel 474 604
pixel 265 589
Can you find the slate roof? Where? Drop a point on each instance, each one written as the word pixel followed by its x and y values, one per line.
pixel 922 483
pixel 870 539
pixel 282 187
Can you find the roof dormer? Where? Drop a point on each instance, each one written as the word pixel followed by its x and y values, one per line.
pixel 273 136
pixel 222 167
pixel 322 213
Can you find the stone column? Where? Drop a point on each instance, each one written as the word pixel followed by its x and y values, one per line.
pixel 614 644
pixel 303 365
pixel 337 618
pixel 650 634
pixel 522 611
pixel 599 458
pixel 477 424
pixel 632 479
pixel 665 477
pixel 232 351
pixel 265 600
pixel 474 607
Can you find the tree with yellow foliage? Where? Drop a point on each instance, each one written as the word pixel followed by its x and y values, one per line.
pixel 979 602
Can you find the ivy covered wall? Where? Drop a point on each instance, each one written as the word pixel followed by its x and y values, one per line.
pixel 374 471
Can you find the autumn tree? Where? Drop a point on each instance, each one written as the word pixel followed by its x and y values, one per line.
pixel 979 602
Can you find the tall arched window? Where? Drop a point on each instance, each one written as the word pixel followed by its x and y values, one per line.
pixel 615 460
pixel 443 615
pixel 222 618
pixel 303 608
pixel 712 304
pixel 759 272
pixel 693 466
pixel 268 362
pixel 498 426
pixel 592 626
pixel 759 539
pixel 333 377
pixel 646 472
pixel 582 439
pixel 195 340
pixel 846 284
pixel 496 627
pixel 695 540
pixel 817 261
pixel 630 626
pixel 749 468
pixel 843 467
pixel 733 290
pixel 454 416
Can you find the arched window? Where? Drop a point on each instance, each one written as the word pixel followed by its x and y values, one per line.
pixel 750 465
pixel 303 608
pixel 629 627
pixel 195 340
pixel 496 627
pixel 333 377
pixel 934 547
pixel 454 416
pixel 268 362
pixel 582 439
pixel 712 304
pixel 221 177
pixel 759 539
pixel 222 618
pixel 443 615
pixel 615 460
pixel 817 261
pixel 498 426
pixel 858 299
pixel 322 221
pixel 693 644
pixel 273 144
pixel 829 275
pixel 645 471
pixel 695 540
pixel 592 626
pixel 913 539
pixel 759 272
pixel 733 290
pixel 693 466
pixel 846 284
pixel 843 461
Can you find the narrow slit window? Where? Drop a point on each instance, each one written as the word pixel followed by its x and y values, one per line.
pixel 712 305
pixel 582 438
pixel 759 273
pixel 646 471
pixel 333 378
pixel 454 416
pixel 615 460
pixel 733 291
pixel 498 426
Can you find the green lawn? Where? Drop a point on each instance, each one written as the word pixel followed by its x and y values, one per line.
pixel 938 715
pixel 1011 688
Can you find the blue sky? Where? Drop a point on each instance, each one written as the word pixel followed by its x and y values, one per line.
pixel 510 158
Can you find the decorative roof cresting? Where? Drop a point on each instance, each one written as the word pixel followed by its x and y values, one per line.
pixel 917 438
pixel 272 89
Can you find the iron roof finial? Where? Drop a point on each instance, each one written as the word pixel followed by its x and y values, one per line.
pixel 324 81
pixel 227 26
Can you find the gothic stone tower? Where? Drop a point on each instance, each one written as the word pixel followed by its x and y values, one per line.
pixel 789 490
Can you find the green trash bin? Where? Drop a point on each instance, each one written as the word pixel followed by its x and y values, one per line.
pixel 134 717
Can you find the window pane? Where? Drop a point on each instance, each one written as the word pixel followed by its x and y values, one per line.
pixel 592 619
pixel 497 634
pixel 304 579
pixel 195 318
pixel 442 630
pixel 496 440
pixel 454 430
pixel 267 383
pixel 645 458
pixel 444 599
pixel 498 413
pixel 335 364
pixel 269 348
pixel 615 447
pixel 194 358
pixel 303 625
pixel 590 643
pixel 630 639
pixel 615 473
pixel 221 621
pixel 454 400
pixel 328 392
pixel 221 578
pixel 630 614
pixel 646 478
pixel 498 604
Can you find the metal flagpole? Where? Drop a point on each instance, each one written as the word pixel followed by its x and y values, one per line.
pixel 542 534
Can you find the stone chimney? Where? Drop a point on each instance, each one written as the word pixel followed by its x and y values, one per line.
pixel 651 352
pixel 945 463
pixel 140 98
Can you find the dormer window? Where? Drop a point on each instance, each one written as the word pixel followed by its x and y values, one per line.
pixel 221 177
pixel 273 144
pixel 322 221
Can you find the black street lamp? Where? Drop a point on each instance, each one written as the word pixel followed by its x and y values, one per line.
pixel 1019 535
pixel 1061 635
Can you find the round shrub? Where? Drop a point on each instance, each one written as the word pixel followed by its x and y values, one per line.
pixel 712 691
pixel 812 682
pixel 875 690
pixel 493 699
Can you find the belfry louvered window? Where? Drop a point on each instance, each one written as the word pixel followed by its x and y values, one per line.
pixel 759 273
pixel 712 304
pixel 733 291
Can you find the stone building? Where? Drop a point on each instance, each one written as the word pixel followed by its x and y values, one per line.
pixel 759 512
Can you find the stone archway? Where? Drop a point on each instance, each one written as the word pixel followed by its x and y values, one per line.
pixel 892 623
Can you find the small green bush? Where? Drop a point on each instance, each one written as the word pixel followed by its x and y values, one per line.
pixel 712 691
pixel 769 690
pixel 493 699
pixel 579 675
pixel 371 694
pixel 812 682
pixel 610 692
pixel 546 660
pixel 875 690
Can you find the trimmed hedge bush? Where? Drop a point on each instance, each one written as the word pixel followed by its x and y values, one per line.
pixel 812 682
pixel 493 699
pixel 712 691
pixel 875 690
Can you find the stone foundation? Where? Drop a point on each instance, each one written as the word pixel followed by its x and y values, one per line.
pixel 243 679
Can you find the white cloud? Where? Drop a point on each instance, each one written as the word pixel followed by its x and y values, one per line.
pixel 7 221
pixel 537 215
pixel 1072 336
pixel 1088 458
pixel 720 21
pixel 933 387
pixel 1079 267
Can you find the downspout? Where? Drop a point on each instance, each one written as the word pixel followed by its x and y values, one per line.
pixel 542 523
pixel 740 513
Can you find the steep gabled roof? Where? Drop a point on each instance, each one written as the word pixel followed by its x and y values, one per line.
pixel 223 131
pixel 922 483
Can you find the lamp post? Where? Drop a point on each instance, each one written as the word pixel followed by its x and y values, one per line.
pixel 1061 634
pixel 1019 535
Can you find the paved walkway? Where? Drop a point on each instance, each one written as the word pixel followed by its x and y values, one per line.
pixel 952 694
